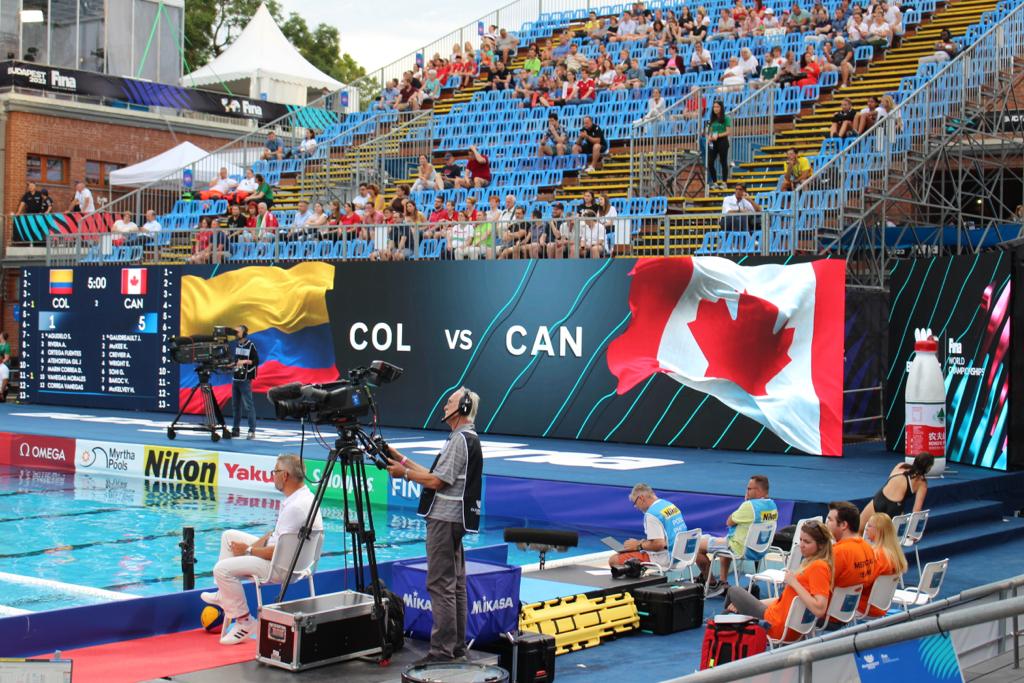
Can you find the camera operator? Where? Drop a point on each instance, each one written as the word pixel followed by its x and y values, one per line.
pixel 247 360
pixel 451 503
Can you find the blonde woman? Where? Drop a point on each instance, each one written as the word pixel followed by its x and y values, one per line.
pixel 880 532
pixel 812 583
pixel 889 105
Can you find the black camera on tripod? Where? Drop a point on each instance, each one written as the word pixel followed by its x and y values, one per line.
pixel 212 350
pixel 344 400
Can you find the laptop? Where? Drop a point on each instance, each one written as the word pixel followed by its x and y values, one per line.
pixel 614 544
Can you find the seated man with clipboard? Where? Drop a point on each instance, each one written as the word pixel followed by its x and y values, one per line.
pixel 662 521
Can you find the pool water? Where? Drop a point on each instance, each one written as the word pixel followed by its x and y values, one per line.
pixel 69 534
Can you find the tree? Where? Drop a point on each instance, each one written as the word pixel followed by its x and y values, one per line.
pixel 210 26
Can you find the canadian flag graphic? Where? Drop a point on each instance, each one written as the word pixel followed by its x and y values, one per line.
pixel 133 281
pixel 766 340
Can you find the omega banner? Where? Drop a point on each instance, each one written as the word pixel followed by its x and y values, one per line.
pixel 696 352
pixel 134 91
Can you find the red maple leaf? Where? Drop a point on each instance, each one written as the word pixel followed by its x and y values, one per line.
pixel 746 350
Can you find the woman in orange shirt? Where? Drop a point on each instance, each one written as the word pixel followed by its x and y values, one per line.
pixel 812 584
pixel 889 558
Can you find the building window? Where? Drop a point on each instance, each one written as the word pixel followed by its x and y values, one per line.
pixel 45 169
pixel 97 173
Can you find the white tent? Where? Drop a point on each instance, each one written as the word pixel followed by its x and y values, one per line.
pixel 263 60
pixel 169 165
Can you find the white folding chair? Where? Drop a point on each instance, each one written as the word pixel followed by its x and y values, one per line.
pixel 902 524
pixel 926 589
pixel 800 620
pixel 842 606
pixel 284 550
pixel 774 577
pixel 684 555
pixel 759 539
pixel 882 591
pixel 915 531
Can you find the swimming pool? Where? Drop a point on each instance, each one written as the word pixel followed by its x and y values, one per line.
pixel 78 539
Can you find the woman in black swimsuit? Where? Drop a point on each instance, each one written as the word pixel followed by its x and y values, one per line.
pixel 904 481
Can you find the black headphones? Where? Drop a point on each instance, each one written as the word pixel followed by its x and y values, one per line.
pixel 465 403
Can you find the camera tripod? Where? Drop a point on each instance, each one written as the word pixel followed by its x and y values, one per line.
pixel 349 451
pixel 214 423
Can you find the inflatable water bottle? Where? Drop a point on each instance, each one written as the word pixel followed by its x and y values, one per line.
pixel 926 403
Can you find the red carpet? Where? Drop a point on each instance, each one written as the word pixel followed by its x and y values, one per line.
pixel 148 658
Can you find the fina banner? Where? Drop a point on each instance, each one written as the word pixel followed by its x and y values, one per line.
pixel 492 593
pixel 966 301
pixel 135 91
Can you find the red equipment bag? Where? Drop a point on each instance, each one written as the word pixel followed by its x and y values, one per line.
pixel 730 637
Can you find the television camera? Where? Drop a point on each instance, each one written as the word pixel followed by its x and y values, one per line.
pixel 209 353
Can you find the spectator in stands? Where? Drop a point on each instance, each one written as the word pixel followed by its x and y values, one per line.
pixel 351 221
pixel 799 20
pixel 857 27
pixel 251 215
pixel 362 196
pixel 659 35
pixel 124 225
pixel 700 59
pixel 411 214
pixel 264 193
pixel 821 25
pixel 719 127
pixel 409 96
pixel 302 215
pixel 245 187
pixel 236 220
pixel 626 30
pixel 450 172
pixel 756 508
pixel 608 216
pixel 811 71
pixel 532 65
pixel 853 557
pixel 588 205
pixel 266 222
pixel 471 212
pixel 82 202
pixel 152 224
pixel 841 60
pixel 573 60
pixel 31 201
pixel 590 141
pixel 868 116
pixel 740 211
pixel 656 106
pixel 636 77
pixel 272 147
pixel 889 558
pixel 383 246
pixel 431 89
pixel 318 221
pixel 438 213
pixel 47 200
pixel 222 185
pixel 893 17
pixel 905 481
pixel 772 66
pixel 478 170
pixel 842 120
pixel 945 49
pixel 501 77
pixel 427 177
pixel 493 212
pixel 726 28
pixel 656 64
pixel 540 235
pixel 403 242
pixel 210 245
pixel 701 25
pixel 555 141
pixel 879 31
pixel 749 63
pixel 374 197
pixel 558 242
pixel 888 106
pixel 797 170
pixel 506 45
pixel 586 88
pixel 515 233
pixel 307 147
pixel 460 238
pixel 812 583
pixel 592 236
pixel 733 77
pixel 662 522
pixel 398 201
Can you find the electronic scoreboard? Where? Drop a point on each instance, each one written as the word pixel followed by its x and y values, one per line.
pixel 98 337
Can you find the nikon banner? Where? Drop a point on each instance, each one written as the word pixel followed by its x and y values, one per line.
pixel 181 465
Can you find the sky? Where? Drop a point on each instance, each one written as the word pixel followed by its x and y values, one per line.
pixel 379 32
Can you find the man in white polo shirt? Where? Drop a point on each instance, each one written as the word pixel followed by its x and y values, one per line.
pixel 739 211
pixel 243 555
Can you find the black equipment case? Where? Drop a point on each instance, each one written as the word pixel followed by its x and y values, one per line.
pixel 301 634
pixel 536 662
pixel 669 607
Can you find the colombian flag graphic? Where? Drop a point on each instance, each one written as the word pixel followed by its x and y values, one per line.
pixel 286 313
pixel 61 281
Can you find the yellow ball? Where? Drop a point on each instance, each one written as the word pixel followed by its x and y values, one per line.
pixel 211 618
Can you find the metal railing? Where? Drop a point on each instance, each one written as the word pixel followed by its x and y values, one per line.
pixel 563 237
pixel 999 602
pixel 667 154
pixel 832 209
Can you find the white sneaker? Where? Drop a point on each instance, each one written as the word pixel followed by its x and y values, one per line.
pixel 211 598
pixel 240 633
pixel 589 169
